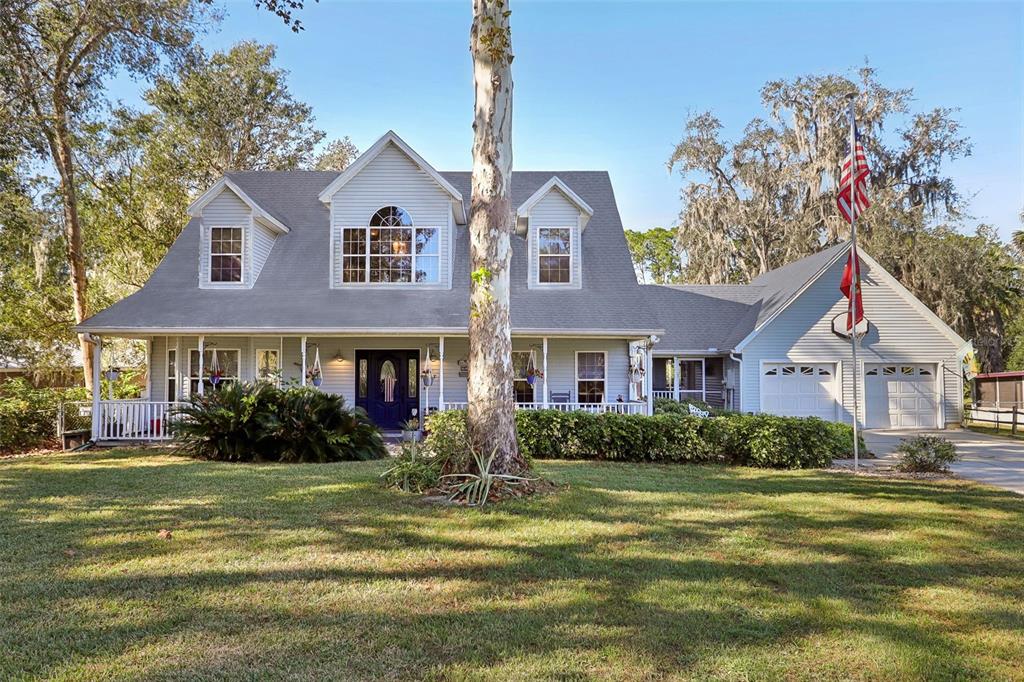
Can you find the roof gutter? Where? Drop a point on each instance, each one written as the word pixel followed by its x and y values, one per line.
pixel 353 331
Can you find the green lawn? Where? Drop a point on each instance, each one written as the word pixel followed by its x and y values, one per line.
pixel 630 572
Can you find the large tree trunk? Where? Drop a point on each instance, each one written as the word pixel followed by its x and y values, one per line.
pixel 63 160
pixel 491 420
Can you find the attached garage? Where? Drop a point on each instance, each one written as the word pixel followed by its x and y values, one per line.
pixel 901 396
pixel 799 389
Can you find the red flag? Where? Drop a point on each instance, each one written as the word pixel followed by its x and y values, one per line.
pixel 852 265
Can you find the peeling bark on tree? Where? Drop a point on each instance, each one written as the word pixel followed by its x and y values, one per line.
pixel 491 413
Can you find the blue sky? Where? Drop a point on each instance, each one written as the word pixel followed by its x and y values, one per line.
pixel 608 85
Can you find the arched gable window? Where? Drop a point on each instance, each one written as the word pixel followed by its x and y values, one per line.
pixel 391 216
pixel 390 250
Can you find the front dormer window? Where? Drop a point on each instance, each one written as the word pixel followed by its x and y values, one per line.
pixel 390 250
pixel 226 254
pixel 555 255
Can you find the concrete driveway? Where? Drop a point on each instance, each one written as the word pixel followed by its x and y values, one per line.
pixel 986 459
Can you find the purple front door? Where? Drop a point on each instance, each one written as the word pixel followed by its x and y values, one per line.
pixel 387 385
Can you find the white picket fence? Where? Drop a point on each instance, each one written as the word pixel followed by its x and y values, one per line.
pixel 594 408
pixel 134 420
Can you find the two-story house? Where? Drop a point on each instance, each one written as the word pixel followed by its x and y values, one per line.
pixel 358 283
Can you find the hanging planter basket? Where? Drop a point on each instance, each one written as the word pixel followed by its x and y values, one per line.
pixel 532 373
pixel 215 370
pixel 315 374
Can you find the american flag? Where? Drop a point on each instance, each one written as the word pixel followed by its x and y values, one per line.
pixel 855 166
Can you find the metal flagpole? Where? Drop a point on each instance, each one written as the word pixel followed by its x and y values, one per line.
pixel 854 283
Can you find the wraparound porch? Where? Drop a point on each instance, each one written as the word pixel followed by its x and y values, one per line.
pixel 394 377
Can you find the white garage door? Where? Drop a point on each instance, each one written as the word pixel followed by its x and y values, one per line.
pixel 900 396
pixel 799 389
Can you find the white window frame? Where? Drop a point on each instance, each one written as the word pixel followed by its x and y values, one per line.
pixel 603 380
pixel 414 228
pixel 189 378
pixel 210 254
pixel 533 388
pixel 571 257
pixel 171 377
pixel 256 363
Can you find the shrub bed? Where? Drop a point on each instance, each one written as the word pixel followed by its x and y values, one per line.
pixel 758 440
pixel 926 454
pixel 261 423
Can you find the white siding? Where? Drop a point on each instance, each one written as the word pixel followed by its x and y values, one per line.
pixel 227 210
pixel 899 333
pixel 262 241
pixel 157 370
pixel 555 210
pixel 391 179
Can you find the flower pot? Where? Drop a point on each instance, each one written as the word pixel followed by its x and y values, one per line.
pixel 317 380
pixel 531 379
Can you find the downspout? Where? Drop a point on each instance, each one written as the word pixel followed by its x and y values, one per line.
pixel 739 377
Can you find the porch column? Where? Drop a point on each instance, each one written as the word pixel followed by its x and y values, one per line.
pixel 546 394
pixel 147 392
pixel 202 352
pixel 97 418
pixel 440 373
pixel 302 351
pixel 675 377
pixel 650 377
pixel 703 381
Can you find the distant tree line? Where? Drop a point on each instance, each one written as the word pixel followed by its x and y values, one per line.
pixel 92 192
pixel 768 198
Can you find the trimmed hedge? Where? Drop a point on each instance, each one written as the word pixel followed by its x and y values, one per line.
pixel 758 440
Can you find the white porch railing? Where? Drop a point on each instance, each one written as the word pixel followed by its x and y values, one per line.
pixel 140 420
pixel 683 395
pixel 594 408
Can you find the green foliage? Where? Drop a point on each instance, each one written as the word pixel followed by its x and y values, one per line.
pixel 259 422
pixel 475 486
pixel 415 470
pixel 760 202
pixel 311 426
pixel 28 416
pixel 670 406
pixel 233 424
pixel 745 439
pixel 448 439
pixel 656 257
pixel 926 454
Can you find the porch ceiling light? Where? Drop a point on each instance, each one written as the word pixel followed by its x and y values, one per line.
pixel 338 357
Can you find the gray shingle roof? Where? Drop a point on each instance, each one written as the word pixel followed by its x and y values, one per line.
pixel 292 292
pixel 700 317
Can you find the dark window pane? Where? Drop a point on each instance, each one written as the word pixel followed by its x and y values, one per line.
pixel 354 240
pixel 590 391
pixel 554 269
pixel 353 269
pixel 226 269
